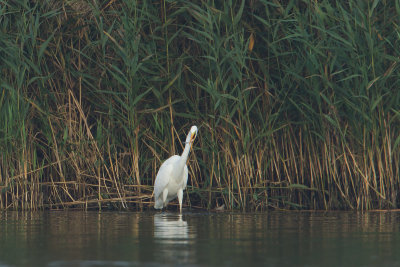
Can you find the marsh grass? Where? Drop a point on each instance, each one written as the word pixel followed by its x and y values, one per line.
pixel 297 103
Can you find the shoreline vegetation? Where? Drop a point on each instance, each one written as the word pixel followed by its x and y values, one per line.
pixel 297 103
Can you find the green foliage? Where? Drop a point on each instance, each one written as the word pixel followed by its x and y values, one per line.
pixel 297 102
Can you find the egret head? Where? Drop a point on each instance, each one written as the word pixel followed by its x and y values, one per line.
pixel 192 135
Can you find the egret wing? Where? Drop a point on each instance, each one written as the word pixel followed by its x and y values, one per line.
pixel 164 175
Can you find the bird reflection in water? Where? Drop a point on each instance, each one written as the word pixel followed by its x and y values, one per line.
pixel 170 228
pixel 174 237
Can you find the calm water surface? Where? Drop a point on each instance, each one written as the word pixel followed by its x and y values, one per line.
pixel 199 239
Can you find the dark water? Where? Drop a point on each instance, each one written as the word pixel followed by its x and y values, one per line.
pixel 199 239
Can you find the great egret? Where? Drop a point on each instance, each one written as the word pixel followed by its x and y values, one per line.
pixel 172 177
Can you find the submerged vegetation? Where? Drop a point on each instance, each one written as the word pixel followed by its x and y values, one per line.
pixel 297 102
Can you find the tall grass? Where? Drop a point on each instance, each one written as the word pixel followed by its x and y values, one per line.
pixel 297 102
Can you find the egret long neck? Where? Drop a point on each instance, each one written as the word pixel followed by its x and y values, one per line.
pixel 185 155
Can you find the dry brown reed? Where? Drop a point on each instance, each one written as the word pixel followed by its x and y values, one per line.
pixel 297 103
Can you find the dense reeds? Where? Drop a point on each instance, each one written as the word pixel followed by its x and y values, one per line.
pixel 298 102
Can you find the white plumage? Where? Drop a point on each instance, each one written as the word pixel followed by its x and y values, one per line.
pixel 172 176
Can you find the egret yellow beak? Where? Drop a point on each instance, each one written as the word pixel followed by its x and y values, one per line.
pixel 192 137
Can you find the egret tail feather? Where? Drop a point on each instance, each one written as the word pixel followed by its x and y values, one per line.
pixel 159 204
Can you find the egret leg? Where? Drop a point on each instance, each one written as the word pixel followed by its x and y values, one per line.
pixel 180 197
pixel 165 194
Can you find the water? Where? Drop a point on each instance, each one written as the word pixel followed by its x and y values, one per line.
pixel 199 239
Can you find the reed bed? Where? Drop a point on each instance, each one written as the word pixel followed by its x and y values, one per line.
pixel 297 103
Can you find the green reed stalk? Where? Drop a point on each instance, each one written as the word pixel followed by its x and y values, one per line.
pixel 297 103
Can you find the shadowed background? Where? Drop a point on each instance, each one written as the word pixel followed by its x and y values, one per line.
pixel 297 103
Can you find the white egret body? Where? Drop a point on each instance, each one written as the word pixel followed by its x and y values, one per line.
pixel 172 176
